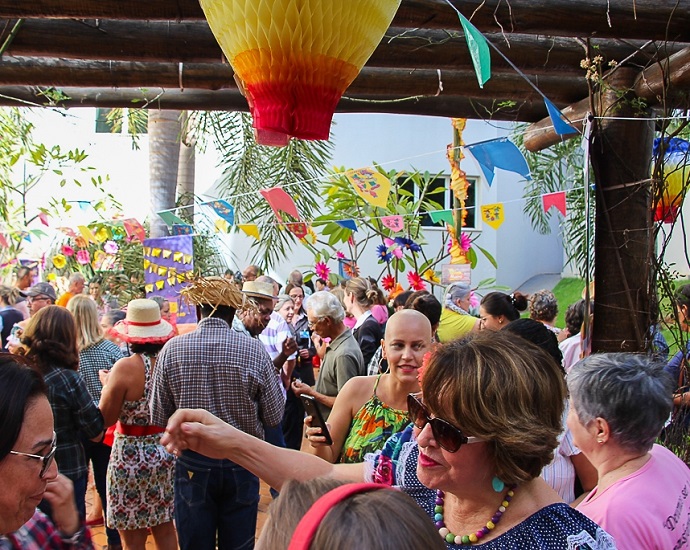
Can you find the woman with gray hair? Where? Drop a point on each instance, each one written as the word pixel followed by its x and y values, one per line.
pixel 618 406
pixel 543 307
pixel 456 320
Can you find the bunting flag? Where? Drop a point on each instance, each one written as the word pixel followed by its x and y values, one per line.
pixel 159 285
pixel 499 153
pixel 479 50
pixel 68 231
pixel 156 252
pixel 3 241
pixel 84 205
pixel 182 229
pixel 44 218
pixel 554 199
pixel 347 224
pixel 298 229
pixel 177 257
pixel 225 210
pixel 440 216
pixel 370 185
pixel 162 270
pixel 492 214
pixel 147 263
pixel 87 234
pixel 251 229
pixel 134 229
pixel 170 219
pixel 280 201
pixel 167 253
pixel 394 223
pixel 560 125
pixel 221 226
pixel 148 288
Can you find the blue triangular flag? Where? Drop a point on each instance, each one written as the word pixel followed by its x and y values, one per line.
pixel 84 205
pixel 182 229
pixel 225 210
pixel 499 153
pixel 559 123
pixel 347 224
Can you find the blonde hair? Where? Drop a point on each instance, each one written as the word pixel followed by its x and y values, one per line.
pixel 89 331
pixel 365 295
pixel 9 294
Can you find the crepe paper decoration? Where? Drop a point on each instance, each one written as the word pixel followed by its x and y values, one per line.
pixel 294 59
pixel 394 223
pixel 299 229
pixel 347 224
pixel 187 259
pixel 225 210
pixel 439 216
pixel 499 153
pixel 221 226
pixel 3 241
pixel 44 218
pixel 182 229
pixel 98 258
pixel 370 185
pixel 134 229
pixel 162 270
pixel 172 280
pixel 147 251
pixel 68 231
pixel 388 283
pixel 492 214
pixel 170 219
pixel 148 288
pixel 415 281
pixel 280 201
pixel 160 285
pixel 250 229
pixel 479 50
pixel 67 250
pixel 676 172
pixel 83 257
pixel 147 263
pixel 465 242
pixel 554 199
pixel 560 125
pixel 102 234
pixel 156 252
pixel 87 234
pixel 322 271
pixel 59 261
pixel 178 256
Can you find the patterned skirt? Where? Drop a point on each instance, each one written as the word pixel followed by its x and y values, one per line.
pixel 139 483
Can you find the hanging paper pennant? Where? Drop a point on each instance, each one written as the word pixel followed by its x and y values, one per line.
pixel 167 253
pixel 148 288
pixel 371 185
pixel 225 210
pixel 134 229
pixel 156 252
pixel 499 153
pixel 222 226
pixel 44 218
pixel 170 219
pixel 479 50
pixel 560 125
pixel 492 214
pixel 160 284
pixel 177 256
pixel 68 231
pixel 280 201
pixel 394 223
pixel 439 216
pixel 347 224
pixel 251 229
pixel 187 258
pixel 88 235
pixel 298 229
pixel 182 229
pixel 3 241
pixel 147 263
pixel 162 270
pixel 554 199
pixel 84 205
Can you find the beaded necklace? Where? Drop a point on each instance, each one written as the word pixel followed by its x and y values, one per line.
pixel 472 537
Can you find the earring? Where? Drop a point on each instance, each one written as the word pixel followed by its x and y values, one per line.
pixel 381 369
pixel 600 441
pixel 498 484
pixel 500 321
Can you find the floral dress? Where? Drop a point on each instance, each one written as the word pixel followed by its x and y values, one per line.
pixel 140 472
pixel 371 427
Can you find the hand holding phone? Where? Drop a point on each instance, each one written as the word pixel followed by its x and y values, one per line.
pixel 317 419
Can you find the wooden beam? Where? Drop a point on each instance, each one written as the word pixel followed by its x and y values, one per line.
pixel 638 19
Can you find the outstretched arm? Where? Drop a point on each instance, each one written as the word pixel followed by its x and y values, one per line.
pixel 200 431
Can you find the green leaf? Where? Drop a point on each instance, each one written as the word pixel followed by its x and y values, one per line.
pixel 488 256
pixel 472 257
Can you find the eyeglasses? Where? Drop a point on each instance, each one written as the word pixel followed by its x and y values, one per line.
pixel 448 436
pixel 38 297
pixel 46 460
pixel 312 324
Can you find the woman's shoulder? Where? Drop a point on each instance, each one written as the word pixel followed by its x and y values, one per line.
pixel 359 386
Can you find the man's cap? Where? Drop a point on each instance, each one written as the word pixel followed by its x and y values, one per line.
pixel 39 289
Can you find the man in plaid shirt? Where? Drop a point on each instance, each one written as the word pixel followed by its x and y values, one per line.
pixel 232 376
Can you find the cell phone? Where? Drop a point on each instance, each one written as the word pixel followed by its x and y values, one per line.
pixel 317 420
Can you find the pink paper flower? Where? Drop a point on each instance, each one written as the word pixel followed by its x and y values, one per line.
pixel 111 247
pixel 465 242
pixel 67 250
pixel 322 271
pixel 388 283
pixel 83 257
pixel 340 255
pixel 474 301
pixel 393 247
pixel 416 282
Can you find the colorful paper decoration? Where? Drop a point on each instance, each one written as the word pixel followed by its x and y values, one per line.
pixel 134 229
pixel 560 125
pixel 280 201
pixel 294 59
pixel 299 229
pixel 156 252
pixel 347 224
pixel 182 229
pixel 221 226
pixel 177 256
pixel 492 214
pixel 68 231
pixel 170 219
pixel 499 153
pixel 225 210
pixel 371 185
pixel 440 216
pixel 251 229
pixel 554 199
pixel 44 218
pixel 676 174
pixel 87 234
pixel 3 241
pixel 394 223
pixel 167 254
pixel 479 50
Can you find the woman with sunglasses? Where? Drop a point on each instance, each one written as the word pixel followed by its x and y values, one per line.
pixel 484 426
pixel 28 472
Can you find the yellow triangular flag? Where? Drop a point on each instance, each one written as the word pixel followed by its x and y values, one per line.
pixel 188 258
pixel 162 270
pixel 221 226
pixel 492 214
pixel 149 288
pixel 250 229
pixel 172 279
pixel 160 285
pixel 88 235
pixel 177 256
pixel 156 252
pixel 147 251
pixel 147 263
pixel 371 185
pixel 167 253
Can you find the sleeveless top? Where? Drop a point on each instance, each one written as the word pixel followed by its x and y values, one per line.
pixel 371 427
pixel 138 413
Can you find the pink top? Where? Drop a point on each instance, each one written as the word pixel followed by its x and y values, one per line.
pixel 380 313
pixel 650 508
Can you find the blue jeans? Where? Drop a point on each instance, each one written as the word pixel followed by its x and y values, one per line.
pixel 99 455
pixel 214 495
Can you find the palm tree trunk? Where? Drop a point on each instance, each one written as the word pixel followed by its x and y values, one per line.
pixel 164 153
pixel 186 172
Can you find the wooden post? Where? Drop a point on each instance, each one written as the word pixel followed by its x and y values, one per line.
pixel 621 150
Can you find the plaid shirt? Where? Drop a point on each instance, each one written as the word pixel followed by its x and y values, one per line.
pixel 39 533
pixel 222 371
pixel 76 416
pixel 102 355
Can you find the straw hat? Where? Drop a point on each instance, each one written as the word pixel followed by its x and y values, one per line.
pixel 143 324
pixel 214 291
pixel 260 290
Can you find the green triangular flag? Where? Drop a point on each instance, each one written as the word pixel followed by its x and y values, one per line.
pixel 170 219
pixel 479 50
pixel 442 216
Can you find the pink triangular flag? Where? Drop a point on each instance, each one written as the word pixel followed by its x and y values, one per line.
pixel 44 218
pixel 394 223
pixel 68 231
pixel 554 199
pixel 3 241
pixel 280 201
pixel 299 229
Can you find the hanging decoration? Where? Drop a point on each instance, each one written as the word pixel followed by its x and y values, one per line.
pixel 294 59
pixel 370 185
pixel 224 209
pixel 479 50
pixel 135 231
pixel 87 234
pixel 499 153
pixel 298 229
pixel 347 224
pixel 182 229
pixel 492 214
pixel 170 219
pixel 394 223
pixel 442 216
pixel 280 201
pixel 676 174
pixel 560 125
pixel 250 229
pixel 554 199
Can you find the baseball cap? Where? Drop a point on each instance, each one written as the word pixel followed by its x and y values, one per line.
pixel 38 289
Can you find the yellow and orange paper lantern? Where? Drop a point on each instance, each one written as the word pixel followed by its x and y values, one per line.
pixel 295 58
pixel 676 177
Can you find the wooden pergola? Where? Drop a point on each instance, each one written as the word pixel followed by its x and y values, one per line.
pixel 161 54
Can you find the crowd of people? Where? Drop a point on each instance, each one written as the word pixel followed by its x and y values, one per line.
pixel 402 421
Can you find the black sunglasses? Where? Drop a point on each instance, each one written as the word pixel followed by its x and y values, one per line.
pixel 446 435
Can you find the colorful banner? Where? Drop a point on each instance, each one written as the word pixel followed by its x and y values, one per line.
pixel 554 199
pixel 440 216
pixel 498 153
pixel 170 219
pixel 250 229
pixel 299 229
pixel 560 125
pixel 493 215
pixel 280 201
pixel 182 229
pixel 371 185
pixel 347 224
pixel 134 230
pixel 479 50
pixel 225 210
pixel 394 223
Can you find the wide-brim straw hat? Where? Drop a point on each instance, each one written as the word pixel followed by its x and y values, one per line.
pixel 260 290
pixel 215 291
pixel 143 324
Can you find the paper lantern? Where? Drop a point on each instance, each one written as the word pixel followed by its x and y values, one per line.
pixel 676 174
pixel 293 59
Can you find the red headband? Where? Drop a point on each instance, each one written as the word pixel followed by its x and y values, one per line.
pixel 306 528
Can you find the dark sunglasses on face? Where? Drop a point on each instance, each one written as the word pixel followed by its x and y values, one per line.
pixel 46 460
pixel 446 435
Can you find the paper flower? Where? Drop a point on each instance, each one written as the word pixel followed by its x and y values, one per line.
pixel 430 275
pixel 339 255
pixel 111 247
pixel 80 242
pixel 383 254
pixel 322 271
pixel 51 277
pixel 465 242
pixel 351 269
pixel 393 248
pixel 408 244
pixel 388 283
pixel 67 250
pixel 397 289
pixel 416 282
pixel 59 261
pixel 474 301
pixel 98 258
pixel 102 235
pixel 83 257
pixel 421 370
